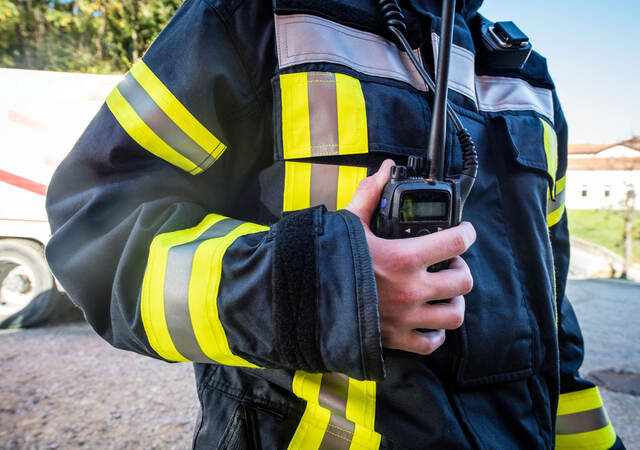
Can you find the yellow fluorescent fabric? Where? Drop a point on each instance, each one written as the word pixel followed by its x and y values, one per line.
pixel 361 409
pixel 296 132
pixel 173 108
pixel 297 186
pixel 143 135
pixel 315 419
pixel 554 216
pixel 577 402
pixel 203 296
pixel 560 184
pixel 551 150
pixel 152 298
pixel 601 439
pixel 352 116
pixel 348 180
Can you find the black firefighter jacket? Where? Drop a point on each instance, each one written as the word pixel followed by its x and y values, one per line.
pixel 169 231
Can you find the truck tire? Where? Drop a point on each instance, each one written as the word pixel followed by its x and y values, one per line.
pixel 28 293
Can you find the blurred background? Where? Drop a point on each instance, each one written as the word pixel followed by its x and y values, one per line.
pixel 61 386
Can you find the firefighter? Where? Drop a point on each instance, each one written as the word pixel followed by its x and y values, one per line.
pixel 211 213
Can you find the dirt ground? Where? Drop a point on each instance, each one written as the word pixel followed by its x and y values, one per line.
pixel 63 387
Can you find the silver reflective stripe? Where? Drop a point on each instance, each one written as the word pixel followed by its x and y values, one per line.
pixel 582 422
pixel 303 38
pixel 553 205
pixel 176 290
pixel 324 186
pixel 334 391
pixel 492 93
pixel 338 434
pixel 462 69
pixel 323 113
pixel 162 125
pixel 502 94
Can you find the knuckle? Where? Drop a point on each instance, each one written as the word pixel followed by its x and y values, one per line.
pixel 458 243
pixel 466 283
pixel 401 258
pixel 457 320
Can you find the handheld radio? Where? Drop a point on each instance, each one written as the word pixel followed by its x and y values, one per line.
pixel 419 199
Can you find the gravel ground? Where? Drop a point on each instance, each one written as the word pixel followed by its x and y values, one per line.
pixel 63 387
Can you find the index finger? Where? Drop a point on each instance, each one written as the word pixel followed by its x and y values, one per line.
pixel 443 245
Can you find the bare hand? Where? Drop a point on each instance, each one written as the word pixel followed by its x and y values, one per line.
pixel 405 288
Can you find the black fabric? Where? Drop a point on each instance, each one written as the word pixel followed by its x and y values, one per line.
pixel 294 287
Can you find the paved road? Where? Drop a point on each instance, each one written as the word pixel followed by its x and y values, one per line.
pixel 609 313
pixel 63 387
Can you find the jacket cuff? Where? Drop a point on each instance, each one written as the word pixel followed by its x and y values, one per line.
pixel 367 300
pixel 325 305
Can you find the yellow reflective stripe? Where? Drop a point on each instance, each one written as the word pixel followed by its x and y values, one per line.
pixel 348 179
pixel 176 111
pixel 554 216
pixel 601 439
pixel 152 297
pixel 296 131
pixel 203 296
pixel 577 402
pixel 143 135
pixel 551 150
pixel 352 116
pixel 361 409
pixel 560 184
pixel 315 418
pixel 584 400
pixel 297 186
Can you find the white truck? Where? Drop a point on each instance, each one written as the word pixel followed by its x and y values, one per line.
pixel 42 114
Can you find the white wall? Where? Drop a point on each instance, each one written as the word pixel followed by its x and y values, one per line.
pixel 596 183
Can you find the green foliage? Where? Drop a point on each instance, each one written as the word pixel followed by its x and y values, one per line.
pixel 95 36
pixel 604 227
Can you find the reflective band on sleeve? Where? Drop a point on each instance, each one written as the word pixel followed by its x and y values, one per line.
pixel 143 135
pixel 323 114
pixel 143 105
pixel 180 287
pixel 582 422
pixel 555 208
pixel 307 185
pixel 340 412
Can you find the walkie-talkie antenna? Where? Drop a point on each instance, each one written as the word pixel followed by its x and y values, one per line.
pixel 437 133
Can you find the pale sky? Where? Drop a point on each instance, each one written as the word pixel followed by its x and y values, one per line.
pixel 593 52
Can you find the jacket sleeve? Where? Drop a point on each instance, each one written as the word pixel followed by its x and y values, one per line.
pixel 582 421
pixel 142 243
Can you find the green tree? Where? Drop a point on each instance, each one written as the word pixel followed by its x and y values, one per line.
pixel 97 36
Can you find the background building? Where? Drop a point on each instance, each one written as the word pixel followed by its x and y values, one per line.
pixel 599 176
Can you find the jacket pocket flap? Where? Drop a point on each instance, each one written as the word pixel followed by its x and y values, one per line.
pixel 532 144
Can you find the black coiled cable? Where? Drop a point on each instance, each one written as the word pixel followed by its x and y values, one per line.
pixel 395 24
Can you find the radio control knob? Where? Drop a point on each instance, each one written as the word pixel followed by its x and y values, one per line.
pixel 398 172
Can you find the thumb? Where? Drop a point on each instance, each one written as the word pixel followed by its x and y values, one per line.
pixel 366 198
